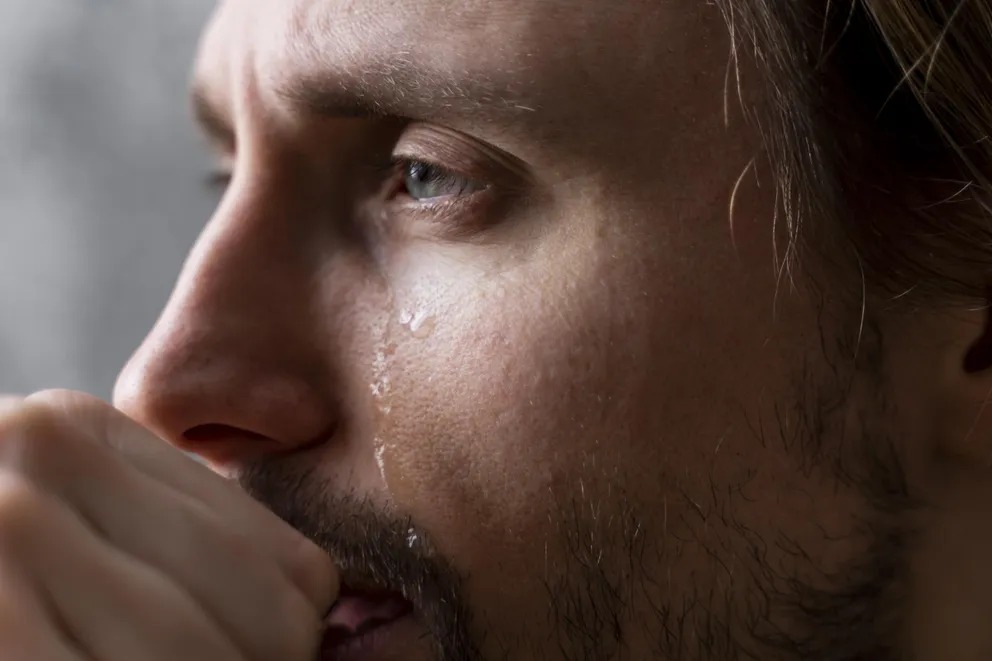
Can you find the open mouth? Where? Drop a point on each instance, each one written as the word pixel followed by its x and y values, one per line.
pixel 359 622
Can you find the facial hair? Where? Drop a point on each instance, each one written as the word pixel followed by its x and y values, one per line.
pixel 371 548
pixel 605 586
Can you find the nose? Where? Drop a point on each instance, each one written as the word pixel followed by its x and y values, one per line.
pixel 237 366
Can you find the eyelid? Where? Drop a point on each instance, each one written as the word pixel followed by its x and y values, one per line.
pixel 503 182
pixel 463 156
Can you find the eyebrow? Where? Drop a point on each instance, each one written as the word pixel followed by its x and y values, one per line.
pixel 400 91
pixel 395 91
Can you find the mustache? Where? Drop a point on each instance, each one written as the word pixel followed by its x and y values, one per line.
pixel 373 548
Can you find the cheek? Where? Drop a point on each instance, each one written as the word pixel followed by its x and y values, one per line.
pixel 606 360
pixel 502 391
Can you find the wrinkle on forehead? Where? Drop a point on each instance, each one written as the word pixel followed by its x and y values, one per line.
pixel 578 74
pixel 516 52
pixel 432 50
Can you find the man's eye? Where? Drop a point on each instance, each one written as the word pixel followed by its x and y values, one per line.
pixel 425 181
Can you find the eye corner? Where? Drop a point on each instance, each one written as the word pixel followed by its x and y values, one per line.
pixel 218 179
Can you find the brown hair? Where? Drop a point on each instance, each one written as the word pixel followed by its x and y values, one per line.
pixel 878 113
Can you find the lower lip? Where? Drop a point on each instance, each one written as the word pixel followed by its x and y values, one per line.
pixel 374 644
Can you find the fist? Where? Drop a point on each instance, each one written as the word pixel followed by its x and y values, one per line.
pixel 115 546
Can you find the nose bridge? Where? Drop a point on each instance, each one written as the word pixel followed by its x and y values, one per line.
pixel 253 261
pixel 239 347
pixel 253 254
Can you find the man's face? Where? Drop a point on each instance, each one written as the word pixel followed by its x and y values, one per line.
pixel 491 309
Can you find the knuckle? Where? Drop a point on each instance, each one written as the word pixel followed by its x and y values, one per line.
pixel 54 410
pixel 28 447
pixel 70 404
pixel 58 399
pixel 24 511
pixel 41 437
pixel 29 419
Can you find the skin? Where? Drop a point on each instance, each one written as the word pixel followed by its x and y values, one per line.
pixel 575 384
pixel 165 577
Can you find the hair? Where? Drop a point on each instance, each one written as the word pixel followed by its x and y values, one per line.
pixel 877 116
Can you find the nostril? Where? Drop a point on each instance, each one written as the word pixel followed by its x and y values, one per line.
pixel 219 440
pixel 214 433
pixel 221 445
pixel 225 447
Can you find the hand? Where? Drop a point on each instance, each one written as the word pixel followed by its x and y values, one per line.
pixel 115 546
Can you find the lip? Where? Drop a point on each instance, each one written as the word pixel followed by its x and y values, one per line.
pixel 355 609
pixel 385 641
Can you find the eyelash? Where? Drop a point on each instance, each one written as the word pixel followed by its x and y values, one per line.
pixel 431 174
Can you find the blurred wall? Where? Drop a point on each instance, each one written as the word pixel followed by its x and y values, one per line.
pixel 101 174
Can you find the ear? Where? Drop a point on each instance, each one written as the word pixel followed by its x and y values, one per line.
pixel 964 413
pixel 941 369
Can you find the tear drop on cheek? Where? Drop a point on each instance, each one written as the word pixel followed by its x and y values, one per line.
pixel 381 390
pixel 390 461
pixel 424 329
pixel 403 472
pixel 388 465
pixel 420 324
pixel 383 350
pixel 391 452
pixel 380 460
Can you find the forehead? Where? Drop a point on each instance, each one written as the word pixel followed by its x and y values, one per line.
pixel 523 52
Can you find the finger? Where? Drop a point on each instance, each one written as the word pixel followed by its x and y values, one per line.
pixel 8 403
pixel 238 585
pixel 265 614
pixel 115 608
pixel 31 642
pixel 306 565
pixel 27 632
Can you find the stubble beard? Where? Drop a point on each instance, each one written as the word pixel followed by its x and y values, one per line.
pixel 764 597
pixel 609 588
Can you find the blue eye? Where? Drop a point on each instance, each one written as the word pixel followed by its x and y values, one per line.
pixel 425 181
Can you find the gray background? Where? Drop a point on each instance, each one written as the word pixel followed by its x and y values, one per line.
pixel 101 174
